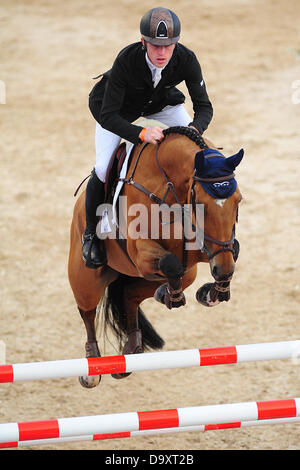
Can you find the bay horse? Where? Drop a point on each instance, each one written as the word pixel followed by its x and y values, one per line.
pixel 184 169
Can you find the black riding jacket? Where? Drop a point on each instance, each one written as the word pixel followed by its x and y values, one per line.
pixel 126 91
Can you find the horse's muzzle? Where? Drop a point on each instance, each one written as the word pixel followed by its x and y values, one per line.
pixel 222 270
pixel 220 275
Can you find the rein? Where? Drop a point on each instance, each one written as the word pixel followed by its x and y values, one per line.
pixel 140 187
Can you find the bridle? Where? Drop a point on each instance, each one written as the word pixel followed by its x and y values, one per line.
pixel 226 246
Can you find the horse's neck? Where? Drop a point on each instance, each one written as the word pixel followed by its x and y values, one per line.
pixel 178 158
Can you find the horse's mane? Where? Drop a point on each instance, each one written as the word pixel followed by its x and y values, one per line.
pixel 188 132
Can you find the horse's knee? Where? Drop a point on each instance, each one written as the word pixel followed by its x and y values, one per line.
pixel 170 266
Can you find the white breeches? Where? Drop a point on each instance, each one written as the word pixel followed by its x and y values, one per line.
pixel 106 142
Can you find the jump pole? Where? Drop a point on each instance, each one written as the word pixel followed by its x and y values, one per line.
pixel 149 432
pixel 146 420
pixel 149 361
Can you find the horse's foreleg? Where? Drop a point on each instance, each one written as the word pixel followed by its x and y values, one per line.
pixel 154 262
pixel 172 292
pixel 211 294
pixel 170 297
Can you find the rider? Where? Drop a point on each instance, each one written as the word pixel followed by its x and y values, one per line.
pixel 141 83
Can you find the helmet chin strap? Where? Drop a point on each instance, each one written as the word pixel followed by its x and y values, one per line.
pixel 144 44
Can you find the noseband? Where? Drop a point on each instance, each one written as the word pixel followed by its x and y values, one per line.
pixel 225 245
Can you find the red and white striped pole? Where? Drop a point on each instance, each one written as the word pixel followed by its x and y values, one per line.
pixel 150 432
pixel 146 420
pixel 149 361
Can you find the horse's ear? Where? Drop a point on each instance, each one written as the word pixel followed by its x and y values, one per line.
pixel 235 160
pixel 199 162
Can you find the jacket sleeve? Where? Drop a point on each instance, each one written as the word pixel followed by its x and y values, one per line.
pixel 110 117
pixel 203 110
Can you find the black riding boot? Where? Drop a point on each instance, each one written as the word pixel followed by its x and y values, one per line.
pixel 93 256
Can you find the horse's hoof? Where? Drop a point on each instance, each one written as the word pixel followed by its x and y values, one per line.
pixel 132 346
pixel 159 294
pixel 89 381
pixel 121 375
pixel 203 295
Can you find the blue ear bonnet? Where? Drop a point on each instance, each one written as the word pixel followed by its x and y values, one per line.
pixel 211 163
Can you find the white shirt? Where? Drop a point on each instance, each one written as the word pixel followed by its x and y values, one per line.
pixel 156 71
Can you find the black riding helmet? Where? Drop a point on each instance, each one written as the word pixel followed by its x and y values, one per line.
pixel 160 27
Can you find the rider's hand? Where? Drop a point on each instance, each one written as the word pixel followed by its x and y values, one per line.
pixel 152 135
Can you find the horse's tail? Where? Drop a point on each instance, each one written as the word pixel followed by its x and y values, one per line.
pixel 115 316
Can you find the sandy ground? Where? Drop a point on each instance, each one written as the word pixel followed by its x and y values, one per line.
pixel 49 53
